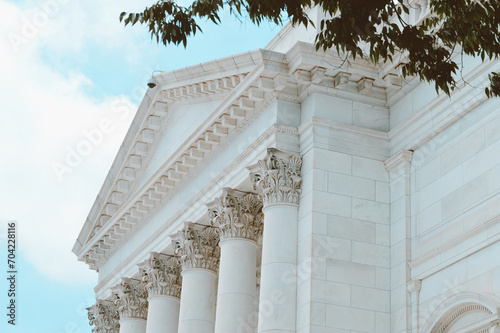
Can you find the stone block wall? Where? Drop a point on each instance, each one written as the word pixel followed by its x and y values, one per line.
pixel 344 225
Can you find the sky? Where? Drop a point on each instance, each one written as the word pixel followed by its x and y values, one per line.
pixel 65 67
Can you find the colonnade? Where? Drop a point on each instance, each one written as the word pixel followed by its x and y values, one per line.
pixel 209 284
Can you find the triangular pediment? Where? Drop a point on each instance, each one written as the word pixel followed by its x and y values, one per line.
pixel 182 120
pixel 167 116
pixel 194 110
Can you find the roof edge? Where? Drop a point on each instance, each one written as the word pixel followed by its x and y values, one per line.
pixel 233 65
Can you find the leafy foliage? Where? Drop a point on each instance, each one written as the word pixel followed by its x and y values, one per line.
pixel 376 29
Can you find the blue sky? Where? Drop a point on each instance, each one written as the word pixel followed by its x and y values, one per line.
pixel 64 66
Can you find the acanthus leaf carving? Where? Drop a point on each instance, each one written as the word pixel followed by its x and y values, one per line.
pixel 103 315
pixel 278 176
pixel 162 275
pixel 197 247
pixel 131 299
pixel 237 214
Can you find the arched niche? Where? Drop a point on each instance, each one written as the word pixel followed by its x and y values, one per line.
pixel 465 312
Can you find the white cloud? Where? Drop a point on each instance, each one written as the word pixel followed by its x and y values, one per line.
pixel 45 115
pixel 67 26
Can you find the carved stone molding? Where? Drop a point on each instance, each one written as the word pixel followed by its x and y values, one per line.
pixel 458 313
pixel 494 327
pixel 161 275
pixel 131 299
pixel 104 317
pixel 278 175
pixel 401 162
pixel 126 207
pixel 237 214
pixel 198 246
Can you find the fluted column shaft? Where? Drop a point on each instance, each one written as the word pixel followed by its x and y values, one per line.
pixel 163 314
pixel 238 216
pixel 199 251
pixel 132 325
pixel 278 175
pixel 278 281
pixel 237 282
pixel 197 311
pixel 163 283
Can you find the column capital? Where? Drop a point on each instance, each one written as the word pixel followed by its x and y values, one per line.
pixel 278 175
pixel 198 246
pixel 237 214
pixel 161 275
pixel 103 315
pixel 131 299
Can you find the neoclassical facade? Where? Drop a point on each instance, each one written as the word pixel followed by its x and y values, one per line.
pixel 288 190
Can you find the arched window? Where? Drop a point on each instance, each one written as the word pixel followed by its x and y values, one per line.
pixel 465 312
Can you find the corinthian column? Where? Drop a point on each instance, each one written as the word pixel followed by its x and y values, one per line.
pixel 163 283
pixel 238 216
pixel 131 300
pixel 278 176
pixel 104 317
pixel 197 246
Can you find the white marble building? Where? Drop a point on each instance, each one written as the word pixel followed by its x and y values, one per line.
pixel 284 190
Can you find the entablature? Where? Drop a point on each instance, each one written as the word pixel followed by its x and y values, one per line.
pixel 121 207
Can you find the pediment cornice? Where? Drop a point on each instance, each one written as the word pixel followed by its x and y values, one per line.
pixel 222 75
pixel 264 76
